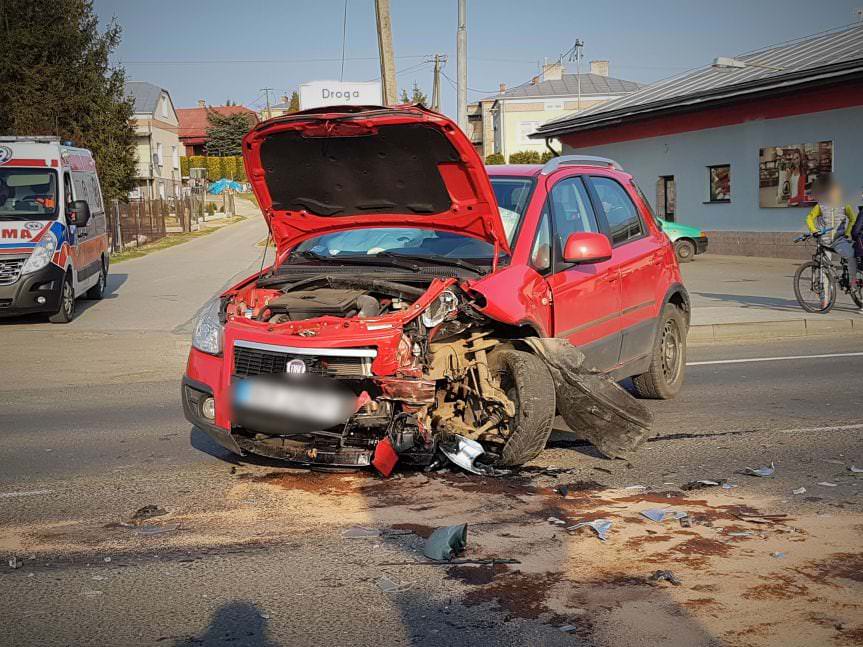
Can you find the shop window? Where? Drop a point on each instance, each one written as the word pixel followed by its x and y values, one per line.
pixel 719 183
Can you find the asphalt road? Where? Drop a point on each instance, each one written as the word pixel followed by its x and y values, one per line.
pixel 251 553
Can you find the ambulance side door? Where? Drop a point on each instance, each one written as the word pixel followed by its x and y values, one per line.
pixel 72 232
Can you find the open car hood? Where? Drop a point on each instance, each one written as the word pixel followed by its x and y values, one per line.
pixel 345 167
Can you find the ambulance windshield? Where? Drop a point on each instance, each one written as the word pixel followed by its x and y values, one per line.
pixel 27 193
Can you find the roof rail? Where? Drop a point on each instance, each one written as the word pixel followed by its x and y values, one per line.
pixel 36 139
pixel 577 160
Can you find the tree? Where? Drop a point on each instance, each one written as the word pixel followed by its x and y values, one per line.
pixel 225 134
pixel 416 96
pixel 55 78
pixel 294 106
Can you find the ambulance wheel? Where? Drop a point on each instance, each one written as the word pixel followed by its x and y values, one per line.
pixel 97 292
pixel 67 303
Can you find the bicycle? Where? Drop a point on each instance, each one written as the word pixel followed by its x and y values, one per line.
pixel 818 278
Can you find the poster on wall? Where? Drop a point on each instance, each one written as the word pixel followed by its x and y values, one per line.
pixel 786 173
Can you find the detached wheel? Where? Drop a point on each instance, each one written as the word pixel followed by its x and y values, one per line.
pixel 67 303
pixel 664 379
pixel 685 250
pixel 526 381
pixel 97 292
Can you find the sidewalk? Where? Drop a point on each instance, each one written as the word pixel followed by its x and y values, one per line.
pixel 741 296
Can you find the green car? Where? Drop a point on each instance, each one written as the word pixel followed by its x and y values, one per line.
pixel 688 241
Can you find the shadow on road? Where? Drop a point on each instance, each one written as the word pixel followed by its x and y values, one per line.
pixel 238 623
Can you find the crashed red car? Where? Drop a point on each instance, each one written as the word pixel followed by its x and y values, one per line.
pixel 421 302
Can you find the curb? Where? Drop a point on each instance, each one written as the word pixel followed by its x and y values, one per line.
pixel 774 329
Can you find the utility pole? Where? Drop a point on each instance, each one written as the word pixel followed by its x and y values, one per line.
pixel 461 64
pixel 579 45
pixel 267 92
pixel 385 48
pixel 435 98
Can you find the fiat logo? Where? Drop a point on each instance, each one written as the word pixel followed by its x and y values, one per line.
pixel 295 367
pixel 5 154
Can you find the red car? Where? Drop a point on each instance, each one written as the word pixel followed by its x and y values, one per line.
pixel 416 297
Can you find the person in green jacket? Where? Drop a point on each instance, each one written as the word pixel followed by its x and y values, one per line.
pixel 832 214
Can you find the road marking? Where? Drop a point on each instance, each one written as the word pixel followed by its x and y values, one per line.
pixel 773 359
pixel 11 495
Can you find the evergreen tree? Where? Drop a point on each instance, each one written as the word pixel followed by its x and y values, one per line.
pixel 295 102
pixel 225 133
pixel 416 95
pixel 55 79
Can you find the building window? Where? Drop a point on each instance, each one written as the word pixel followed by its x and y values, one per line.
pixel 164 106
pixel 554 105
pixel 159 159
pixel 719 181
pixel 175 157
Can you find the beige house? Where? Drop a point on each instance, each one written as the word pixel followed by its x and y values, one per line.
pixel 157 143
pixel 502 123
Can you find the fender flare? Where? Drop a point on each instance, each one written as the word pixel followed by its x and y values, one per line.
pixel 679 296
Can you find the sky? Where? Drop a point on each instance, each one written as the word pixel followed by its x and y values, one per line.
pixel 218 50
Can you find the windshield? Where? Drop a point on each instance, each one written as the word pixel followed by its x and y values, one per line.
pixel 404 240
pixel 28 193
pixel 513 194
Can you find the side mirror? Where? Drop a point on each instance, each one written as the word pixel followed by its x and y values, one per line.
pixel 78 213
pixel 586 247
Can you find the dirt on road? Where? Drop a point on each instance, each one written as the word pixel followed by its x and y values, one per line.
pixel 747 571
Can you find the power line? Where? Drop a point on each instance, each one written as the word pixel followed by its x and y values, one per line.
pixel 454 84
pixel 259 61
pixel 344 40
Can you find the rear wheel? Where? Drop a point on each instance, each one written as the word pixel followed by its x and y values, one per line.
pixel 664 379
pixel 815 287
pixel 526 381
pixel 685 250
pixel 66 311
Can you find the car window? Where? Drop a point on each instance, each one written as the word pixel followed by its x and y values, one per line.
pixel 572 210
pixel 512 194
pixel 540 253
pixel 623 221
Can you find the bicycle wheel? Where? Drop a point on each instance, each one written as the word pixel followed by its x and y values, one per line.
pixel 856 293
pixel 815 287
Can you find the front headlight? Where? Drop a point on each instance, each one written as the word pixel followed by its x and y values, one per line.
pixel 438 309
pixel 42 254
pixel 208 329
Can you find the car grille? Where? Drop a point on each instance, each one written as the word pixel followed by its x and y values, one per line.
pixel 10 270
pixel 265 361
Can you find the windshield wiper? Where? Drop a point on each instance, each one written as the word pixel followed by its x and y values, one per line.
pixel 440 260
pixel 375 259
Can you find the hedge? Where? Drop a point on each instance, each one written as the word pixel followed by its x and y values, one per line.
pixel 494 158
pixel 217 167
pixel 525 157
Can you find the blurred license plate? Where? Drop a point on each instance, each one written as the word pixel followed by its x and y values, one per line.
pixel 293 400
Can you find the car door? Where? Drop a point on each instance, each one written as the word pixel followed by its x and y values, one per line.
pixel 585 298
pixel 637 254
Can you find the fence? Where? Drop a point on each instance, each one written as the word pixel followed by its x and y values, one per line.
pixel 138 222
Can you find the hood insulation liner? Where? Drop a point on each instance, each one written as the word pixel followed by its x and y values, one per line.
pixel 392 171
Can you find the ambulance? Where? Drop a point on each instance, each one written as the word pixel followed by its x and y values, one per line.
pixel 53 229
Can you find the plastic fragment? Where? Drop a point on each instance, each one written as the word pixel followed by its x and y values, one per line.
pixel 464 453
pixel 728 486
pixel 667 576
pixel 556 521
pixel 777 555
pixel 744 533
pixel 827 484
pixel 445 542
pixel 800 490
pixel 659 515
pixel 14 562
pixel 389 586
pixel 761 471
pixel 855 470
pixel 635 487
pixel 600 526
pixel 568 629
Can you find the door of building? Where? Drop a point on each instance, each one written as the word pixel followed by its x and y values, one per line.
pixel 666 197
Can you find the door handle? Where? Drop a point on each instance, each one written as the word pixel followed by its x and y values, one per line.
pixel 612 278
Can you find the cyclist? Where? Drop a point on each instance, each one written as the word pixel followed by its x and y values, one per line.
pixel 831 214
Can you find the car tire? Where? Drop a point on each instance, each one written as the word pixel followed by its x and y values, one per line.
pixel 66 311
pixel 97 292
pixel 664 379
pixel 525 379
pixel 685 250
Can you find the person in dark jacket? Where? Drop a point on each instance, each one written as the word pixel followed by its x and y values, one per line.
pixel 857 234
